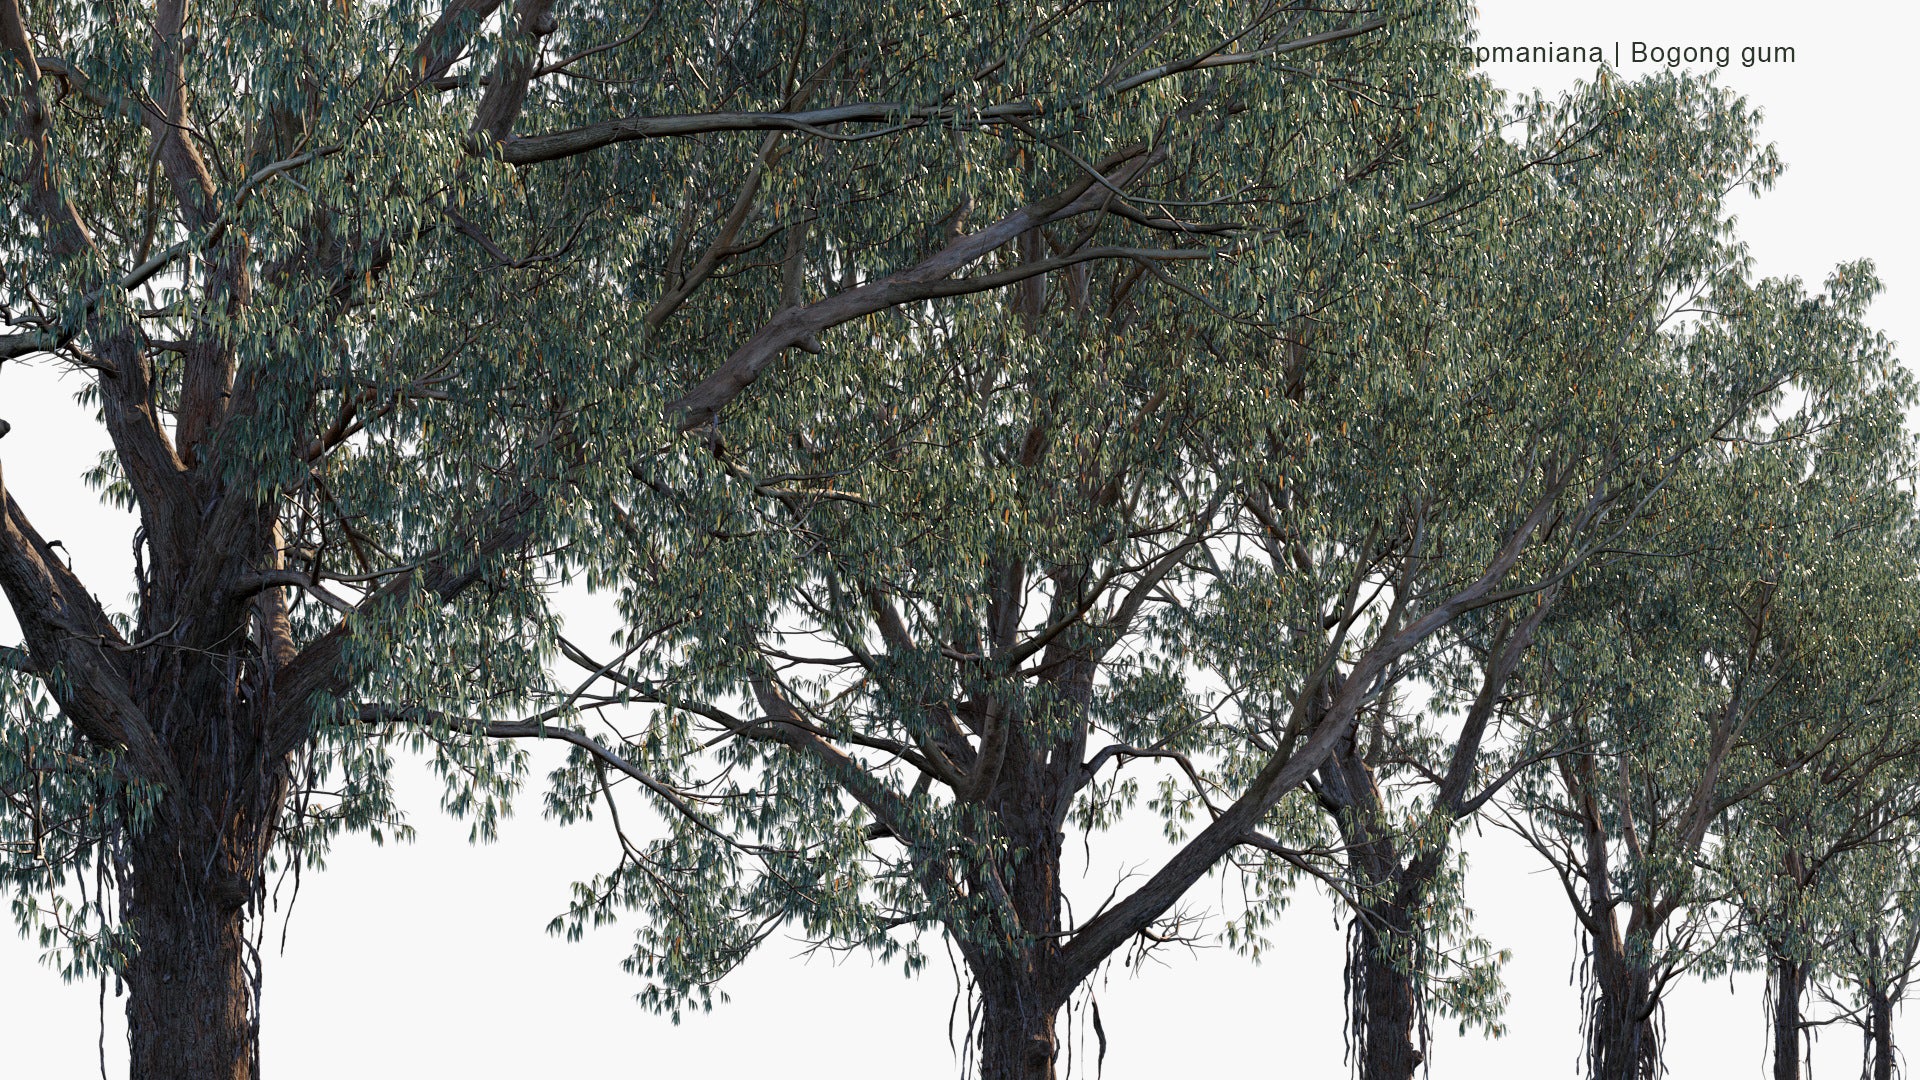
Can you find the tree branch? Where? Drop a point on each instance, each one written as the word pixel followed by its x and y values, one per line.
pixel 317 670
pixel 928 279
pixel 532 149
pixel 507 90
pixel 69 638
pixel 146 453
pixel 1096 940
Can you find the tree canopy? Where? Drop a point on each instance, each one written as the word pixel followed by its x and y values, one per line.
pixel 988 421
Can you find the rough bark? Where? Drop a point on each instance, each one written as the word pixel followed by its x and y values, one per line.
pixel 195 867
pixel 1384 1002
pixel 190 1008
pixel 1880 1036
pixel 1622 1041
pixel 1018 998
pixel 1028 795
pixel 1017 1037
pixel 1789 979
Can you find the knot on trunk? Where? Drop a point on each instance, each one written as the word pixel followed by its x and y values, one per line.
pixel 230 892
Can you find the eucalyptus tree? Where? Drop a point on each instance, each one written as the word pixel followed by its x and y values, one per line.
pixel 383 309
pixel 1617 225
pixel 1666 681
pixel 1870 967
pixel 894 634
pixel 1802 858
pixel 889 641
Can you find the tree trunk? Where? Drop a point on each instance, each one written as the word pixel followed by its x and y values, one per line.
pixel 192 872
pixel 1017 1038
pixel 1789 979
pixel 190 1008
pixel 1880 1036
pixel 1018 1001
pixel 1621 1041
pixel 1017 969
pixel 1385 1005
pixel 1383 994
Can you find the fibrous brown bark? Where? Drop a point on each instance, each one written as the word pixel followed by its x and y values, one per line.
pixel 1017 1037
pixel 190 1008
pixel 194 870
pixel 1789 985
pixel 1028 796
pixel 1880 1036
pixel 1384 1003
pixel 1622 1040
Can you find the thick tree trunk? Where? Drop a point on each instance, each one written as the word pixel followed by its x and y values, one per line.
pixel 1017 1037
pixel 1019 1003
pixel 1018 975
pixel 1789 980
pixel 193 870
pixel 1383 993
pixel 1384 1000
pixel 190 1008
pixel 1622 1043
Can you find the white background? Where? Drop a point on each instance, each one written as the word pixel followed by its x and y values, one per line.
pixel 430 960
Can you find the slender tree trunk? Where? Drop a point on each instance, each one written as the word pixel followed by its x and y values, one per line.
pixel 1621 1041
pixel 1789 987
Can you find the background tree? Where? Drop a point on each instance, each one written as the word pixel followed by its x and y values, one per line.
pixel 1800 855
pixel 1623 195
pixel 886 631
pixel 1664 677
pixel 1872 964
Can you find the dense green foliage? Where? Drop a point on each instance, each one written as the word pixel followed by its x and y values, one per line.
pixel 989 422
pixel 1750 653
